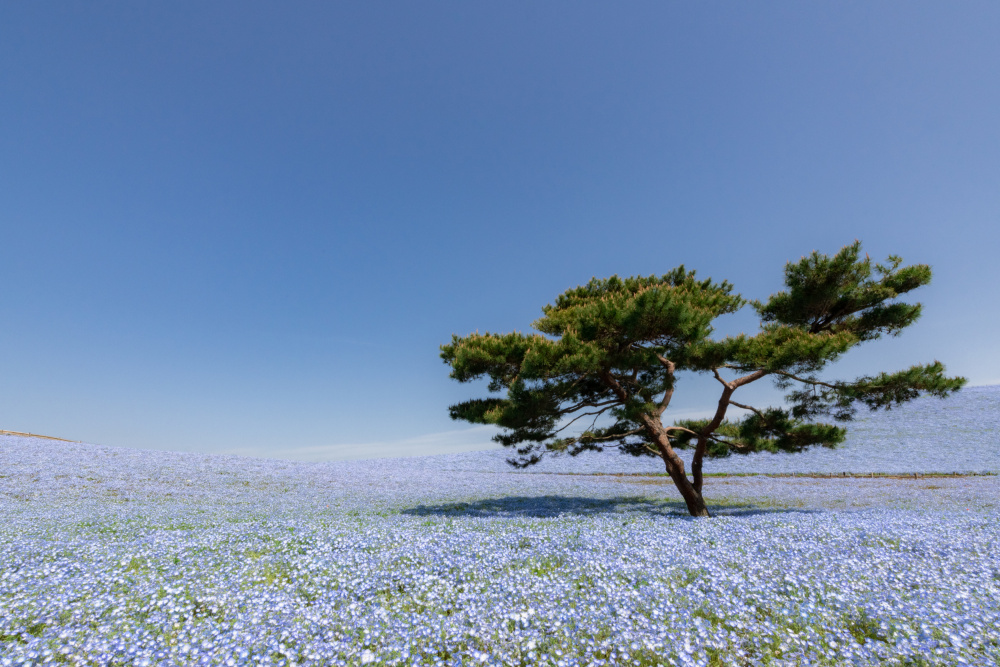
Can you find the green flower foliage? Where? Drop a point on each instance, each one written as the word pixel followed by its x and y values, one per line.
pixel 601 368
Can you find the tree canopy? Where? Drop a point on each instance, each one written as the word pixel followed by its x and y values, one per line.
pixel 601 369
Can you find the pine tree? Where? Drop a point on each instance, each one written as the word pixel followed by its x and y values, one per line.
pixel 602 367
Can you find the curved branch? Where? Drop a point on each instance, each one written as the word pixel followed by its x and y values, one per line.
pixel 669 393
pixel 747 379
pixel 720 414
pixel 715 372
pixel 645 445
pixel 616 436
pixel 680 428
pixel 727 442
pixel 814 383
pixel 588 404
pixel 580 416
pixel 613 384
pixel 747 407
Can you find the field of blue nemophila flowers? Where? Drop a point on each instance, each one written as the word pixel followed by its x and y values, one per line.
pixel 118 556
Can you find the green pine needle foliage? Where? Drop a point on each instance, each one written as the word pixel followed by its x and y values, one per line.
pixel 600 369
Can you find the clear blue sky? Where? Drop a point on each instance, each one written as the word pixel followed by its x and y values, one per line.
pixel 244 226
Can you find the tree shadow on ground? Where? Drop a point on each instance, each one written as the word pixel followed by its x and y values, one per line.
pixel 554 506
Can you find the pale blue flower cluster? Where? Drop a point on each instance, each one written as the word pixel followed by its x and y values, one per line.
pixel 121 557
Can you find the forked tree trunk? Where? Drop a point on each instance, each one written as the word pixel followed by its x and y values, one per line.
pixel 692 497
pixel 675 468
pixel 696 504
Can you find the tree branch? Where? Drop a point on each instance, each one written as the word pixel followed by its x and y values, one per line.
pixel 613 384
pixel 669 393
pixel 747 407
pixel 579 416
pixel 587 404
pixel 616 436
pixel 728 442
pixel 806 380
pixel 715 372
pixel 747 379
pixel 680 428
pixel 720 414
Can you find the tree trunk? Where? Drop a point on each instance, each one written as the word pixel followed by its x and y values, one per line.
pixel 675 468
pixel 692 497
pixel 696 506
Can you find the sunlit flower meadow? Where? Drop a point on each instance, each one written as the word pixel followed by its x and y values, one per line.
pixel 124 557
